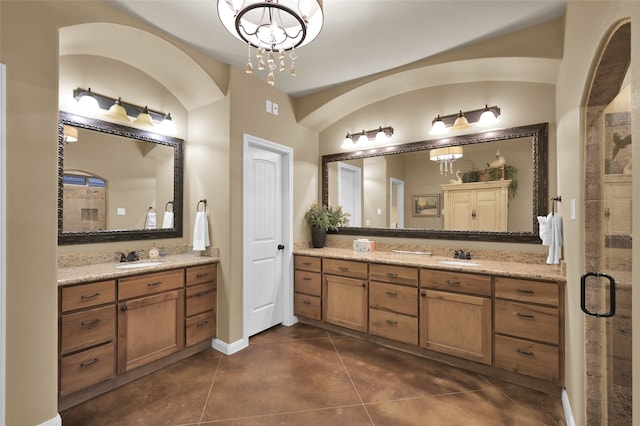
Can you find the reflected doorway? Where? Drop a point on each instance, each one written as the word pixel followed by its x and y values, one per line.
pixel 350 192
pixel 396 203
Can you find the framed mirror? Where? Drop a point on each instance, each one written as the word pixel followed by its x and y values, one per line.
pixel 115 183
pixel 382 184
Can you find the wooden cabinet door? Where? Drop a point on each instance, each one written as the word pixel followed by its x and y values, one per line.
pixel 149 328
pixel 345 302
pixel 456 324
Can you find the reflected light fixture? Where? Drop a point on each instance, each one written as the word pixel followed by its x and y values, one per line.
pixel 272 27
pixel 121 111
pixel 379 135
pixel 70 134
pixel 483 117
pixel 446 157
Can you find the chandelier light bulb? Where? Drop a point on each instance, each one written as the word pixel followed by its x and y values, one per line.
pixel 271 79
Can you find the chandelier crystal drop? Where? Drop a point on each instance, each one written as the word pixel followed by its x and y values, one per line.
pixel 272 27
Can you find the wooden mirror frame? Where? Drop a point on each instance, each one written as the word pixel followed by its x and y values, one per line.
pixel 86 237
pixel 539 134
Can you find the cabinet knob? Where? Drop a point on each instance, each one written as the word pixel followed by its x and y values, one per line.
pixel 124 308
pixel 423 294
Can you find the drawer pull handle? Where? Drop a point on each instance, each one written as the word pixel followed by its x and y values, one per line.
pixel 343 268
pixel 528 316
pixel 391 275
pixel 202 324
pixel 202 275
pixel 525 291
pixel 202 293
pixel 306 279
pixel 306 302
pixel 89 363
pixel 154 284
pixel 452 282
pixel 306 263
pixel 392 293
pixel 90 296
pixel 90 322
pixel 527 353
pixel 392 322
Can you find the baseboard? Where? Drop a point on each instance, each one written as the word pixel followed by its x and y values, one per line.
pixel 229 348
pixel 56 421
pixel 566 405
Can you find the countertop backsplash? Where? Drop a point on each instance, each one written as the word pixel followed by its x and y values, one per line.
pixel 110 256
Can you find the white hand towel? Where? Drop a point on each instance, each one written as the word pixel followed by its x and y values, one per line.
pixel 544 230
pixel 200 232
pixel 167 220
pixel 151 220
pixel 555 238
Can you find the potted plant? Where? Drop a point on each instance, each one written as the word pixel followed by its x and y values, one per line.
pixel 323 218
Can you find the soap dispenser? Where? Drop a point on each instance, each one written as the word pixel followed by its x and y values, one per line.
pixel 154 253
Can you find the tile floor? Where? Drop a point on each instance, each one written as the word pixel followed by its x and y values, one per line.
pixel 306 376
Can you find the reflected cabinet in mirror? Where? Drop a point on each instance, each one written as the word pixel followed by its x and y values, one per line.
pixel 493 192
pixel 117 183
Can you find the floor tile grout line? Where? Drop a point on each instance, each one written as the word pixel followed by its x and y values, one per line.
pixel 279 413
pixel 213 380
pixel 351 380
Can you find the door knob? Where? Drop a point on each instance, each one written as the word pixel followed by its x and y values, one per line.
pixel 280 246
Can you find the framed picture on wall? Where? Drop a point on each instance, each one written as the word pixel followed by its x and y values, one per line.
pixel 426 205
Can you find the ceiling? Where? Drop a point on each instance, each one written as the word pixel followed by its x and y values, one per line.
pixel 359 37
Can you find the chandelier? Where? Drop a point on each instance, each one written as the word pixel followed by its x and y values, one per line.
pixel 273 28
pixel 446 157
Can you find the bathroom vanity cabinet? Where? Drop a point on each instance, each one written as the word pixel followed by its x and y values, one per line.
pixel 496 324
pixel 113 331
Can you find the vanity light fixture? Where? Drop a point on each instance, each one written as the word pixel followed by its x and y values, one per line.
pixel 446 157
pixel 88 101
pixel 379 135
pixel 272 27
pixel 483 117
pixel 118 110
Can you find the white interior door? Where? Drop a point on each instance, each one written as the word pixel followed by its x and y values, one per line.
pixel 267 240
pixel 350 192
pixel 396 208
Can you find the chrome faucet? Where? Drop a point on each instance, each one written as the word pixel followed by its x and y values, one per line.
pixel 132 256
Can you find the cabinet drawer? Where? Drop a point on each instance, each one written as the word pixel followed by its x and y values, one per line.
pixel 456 282
pixel 346 268
pixel 307 306
pixel 308 263
pixel 87 295
pixel 150 283
pixel 527 291
pixel 308 282
pixel 201 327
pixel 401 328
pixel 394 298
pixel 529 358
pixel 393 274
pixel 527 321
pixel 202 274
pixel 201 298
pixel 87 328
pixel 86 368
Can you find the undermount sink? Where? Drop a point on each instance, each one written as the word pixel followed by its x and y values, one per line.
pixel 459 262
pixel 138 265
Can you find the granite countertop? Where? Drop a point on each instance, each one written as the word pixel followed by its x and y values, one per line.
pixel 107 271
pixel 481 266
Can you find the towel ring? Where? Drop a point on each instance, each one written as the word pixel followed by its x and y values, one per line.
pixel 166 206
pixel 202 202
pixel 151 209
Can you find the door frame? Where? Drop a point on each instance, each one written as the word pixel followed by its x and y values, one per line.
pixel 399 200
pixel 3 241
pixel 250 141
